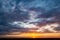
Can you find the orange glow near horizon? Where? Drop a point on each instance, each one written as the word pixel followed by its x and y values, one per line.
pixel 32 35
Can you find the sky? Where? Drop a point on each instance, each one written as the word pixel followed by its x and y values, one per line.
pixel 26 15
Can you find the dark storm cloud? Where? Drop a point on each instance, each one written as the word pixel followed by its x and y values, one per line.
pixel 10 11
pixel 7 14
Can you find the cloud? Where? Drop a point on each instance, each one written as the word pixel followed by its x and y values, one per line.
pixel 28 13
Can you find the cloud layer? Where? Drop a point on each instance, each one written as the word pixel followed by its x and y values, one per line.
pixel 17 14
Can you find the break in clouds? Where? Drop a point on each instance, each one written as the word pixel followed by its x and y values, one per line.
pixel 18 14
